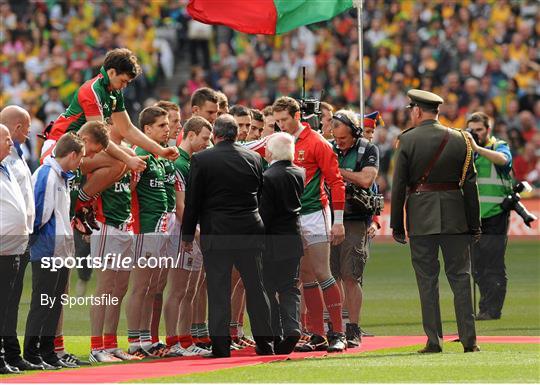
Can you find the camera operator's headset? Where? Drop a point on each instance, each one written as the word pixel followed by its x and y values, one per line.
pixel 356 131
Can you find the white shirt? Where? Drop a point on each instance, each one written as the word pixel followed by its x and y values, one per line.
pixel 13 229
pixel 20 170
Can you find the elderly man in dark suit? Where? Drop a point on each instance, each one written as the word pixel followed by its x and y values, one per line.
pixel 434 177
pixel 280 210
pixel 224 187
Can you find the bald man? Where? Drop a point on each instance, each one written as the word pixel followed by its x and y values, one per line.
pixel 17 121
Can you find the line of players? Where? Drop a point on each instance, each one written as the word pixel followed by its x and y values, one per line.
pixel 132 199
pixel 157 204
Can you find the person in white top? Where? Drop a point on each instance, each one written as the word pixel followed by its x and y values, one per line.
pixel 13 232
pixel 17 120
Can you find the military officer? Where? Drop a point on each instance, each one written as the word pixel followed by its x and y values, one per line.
pixel 435 179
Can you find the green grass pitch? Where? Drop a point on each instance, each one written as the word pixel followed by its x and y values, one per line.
pixel 391 307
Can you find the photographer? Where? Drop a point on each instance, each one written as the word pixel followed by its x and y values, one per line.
pixel 358 163
pixel 493 162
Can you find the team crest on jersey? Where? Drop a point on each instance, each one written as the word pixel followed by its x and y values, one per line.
pixel 301 154
pixel 113 100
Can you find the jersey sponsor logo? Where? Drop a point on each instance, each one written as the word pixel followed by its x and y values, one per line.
pixel 170 179
pixel 74 185
pixel 121 187
pixel 157 183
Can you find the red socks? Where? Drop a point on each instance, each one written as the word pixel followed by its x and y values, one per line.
pixel 332 300
pixel 171 340
pixel 314 305
pixel 96 343
pixel 109 341
pixel 185 341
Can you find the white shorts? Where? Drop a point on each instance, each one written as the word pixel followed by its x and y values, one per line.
pixel 316 227
pixel 114 245
pixel 172 238
pixel 191 261
pixel 150 251
pixel 47 149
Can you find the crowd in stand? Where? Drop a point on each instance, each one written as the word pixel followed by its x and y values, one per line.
pixel 478 55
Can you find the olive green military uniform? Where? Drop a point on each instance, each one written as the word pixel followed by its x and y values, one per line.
pixel 439 214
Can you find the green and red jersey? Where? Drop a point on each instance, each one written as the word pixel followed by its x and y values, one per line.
pixel 315 155
pixel 149 199
pixel 114 204
pixel 172 185
pixel 182 164
pixel 74 185
pixel 93 98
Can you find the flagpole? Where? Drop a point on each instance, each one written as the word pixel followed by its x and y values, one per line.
pixel 359 6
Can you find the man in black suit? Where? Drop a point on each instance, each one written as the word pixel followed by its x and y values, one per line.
pixel 224 187
pixel 280 210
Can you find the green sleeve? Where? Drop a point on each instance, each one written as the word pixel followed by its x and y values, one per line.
pixel 120 106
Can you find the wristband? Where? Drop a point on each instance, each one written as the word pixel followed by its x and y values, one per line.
pixel 338 217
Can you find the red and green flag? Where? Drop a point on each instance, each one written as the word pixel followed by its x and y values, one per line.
pixel 269 17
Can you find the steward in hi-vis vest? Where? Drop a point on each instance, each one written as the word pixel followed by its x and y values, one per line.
pixel 493 162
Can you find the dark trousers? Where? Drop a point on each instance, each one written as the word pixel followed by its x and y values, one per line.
pixel 43 318
pixel 281 284
pixel 489 270
pixel 218 265
pixel 12 348
pixel 9 266
pixel 425 261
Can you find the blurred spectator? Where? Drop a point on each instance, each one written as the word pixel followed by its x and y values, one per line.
pixel 53 106
pixel 61 44
pixel 482 55
pixel 524 163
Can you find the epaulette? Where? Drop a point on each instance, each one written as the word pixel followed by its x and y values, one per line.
pixel 407 130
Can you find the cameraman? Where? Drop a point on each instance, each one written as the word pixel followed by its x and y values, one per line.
pixel 493 162
pixel 358 163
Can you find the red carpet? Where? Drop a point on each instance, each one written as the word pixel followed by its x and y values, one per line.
pixel 188 365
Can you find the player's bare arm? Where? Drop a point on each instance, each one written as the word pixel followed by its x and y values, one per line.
pixel 133 135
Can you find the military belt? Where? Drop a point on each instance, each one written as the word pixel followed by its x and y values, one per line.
pixel 430 187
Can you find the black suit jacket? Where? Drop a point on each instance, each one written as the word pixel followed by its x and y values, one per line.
pixel 280 210
pixel 223 191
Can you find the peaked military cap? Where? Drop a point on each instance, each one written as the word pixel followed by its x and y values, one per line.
pixel 423 99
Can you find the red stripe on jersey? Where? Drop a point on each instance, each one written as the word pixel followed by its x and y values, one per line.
pixel 89 100
pixel 100 216
pixel 61 125
pixel 136 212
pixel 259 146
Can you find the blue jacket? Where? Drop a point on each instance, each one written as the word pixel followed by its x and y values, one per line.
pixel 53 235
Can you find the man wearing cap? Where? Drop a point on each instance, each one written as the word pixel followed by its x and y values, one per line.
pixel 358 164
pixel 435 176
